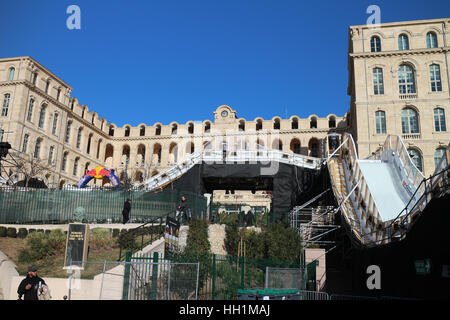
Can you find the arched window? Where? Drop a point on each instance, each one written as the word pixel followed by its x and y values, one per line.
pixel 37 149
pixel 438 154
pixel 258 125
pixel 30 111
pixel 380 120
pixel 277 145
pixel 332 122
pixel 142 131
pixel 25 143
pixel 157 153
pixel 11 74
pixel 158 130
pixel 58 93
pixel 375 44
pixel 207 127
pixel 378 85
pixel 435 78
pixel 294 123
pixel 406 79
pixel 127 131
pixel 42 117
pixel 410 121
pixel 431 40
pixel 111 131
pixel 191 128
pixel 174 128
pixel 276 124
pixel 439 120
pixel 5 107
pixel 403 43
pixel 67 137
pixel 314 147
pixel 241 125
pixel 416 158
pixel 98 148
pixel 64 162
pixel 82 112
pixel 75 166
pixel 80 131
pixel 295 146
pixel 313 123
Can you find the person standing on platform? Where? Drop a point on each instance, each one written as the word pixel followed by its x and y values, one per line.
pixel 126 210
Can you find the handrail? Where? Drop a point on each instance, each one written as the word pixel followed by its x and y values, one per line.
pixel 135 231
pixel 331 155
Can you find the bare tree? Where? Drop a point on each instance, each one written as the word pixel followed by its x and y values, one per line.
pixel 30 167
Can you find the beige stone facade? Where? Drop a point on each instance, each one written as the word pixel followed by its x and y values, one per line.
pixel 32 98
pixel 399 84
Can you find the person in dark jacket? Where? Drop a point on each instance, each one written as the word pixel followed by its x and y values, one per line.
pixel 181 209
pixel 126 210
pixel 31 286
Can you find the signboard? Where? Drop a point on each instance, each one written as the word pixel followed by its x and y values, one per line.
pixel 171 235
pixel 423 266
pixel 76 246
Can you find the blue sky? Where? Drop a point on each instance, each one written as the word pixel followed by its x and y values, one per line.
pixel 173 60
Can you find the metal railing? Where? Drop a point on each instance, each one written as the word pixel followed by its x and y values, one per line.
pixel 136 239
pixel 240 156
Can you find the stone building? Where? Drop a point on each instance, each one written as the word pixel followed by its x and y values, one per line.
pixel 399 84
pixel 41 120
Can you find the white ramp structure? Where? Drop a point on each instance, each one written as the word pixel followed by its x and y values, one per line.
pixel 375 192
pixel 241 156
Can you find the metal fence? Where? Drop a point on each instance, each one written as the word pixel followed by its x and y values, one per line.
pixel 285 278
pixel 221 276
pixel 36 206
pixel 144 280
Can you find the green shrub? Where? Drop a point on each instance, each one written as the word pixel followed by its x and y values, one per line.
pixel 38 245
pixel 232 238
pixel 56 240
pixel 3 232
pixel 197 242
pixel 11 233
pixel 25 256
pixel 22 233
pixel 47 231
pixel 255 246
pixel 31 231
pixel 100 238
pixel 282 242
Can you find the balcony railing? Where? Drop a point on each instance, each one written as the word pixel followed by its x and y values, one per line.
pixel 411 136
pixel 408 96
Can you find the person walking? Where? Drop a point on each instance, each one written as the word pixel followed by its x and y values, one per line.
pixel 126 210
pixel 32 286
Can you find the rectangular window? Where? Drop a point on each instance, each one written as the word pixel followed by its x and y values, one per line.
pixel 41 118
pixel 30 111
pixel 5 105
pixel 378 87
pixel 55 123
pixel 25 143
pixel 380 118
pixel 67 137
pixel 1 134
pixel 439 120
pixel 435 78
pixel 50 156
